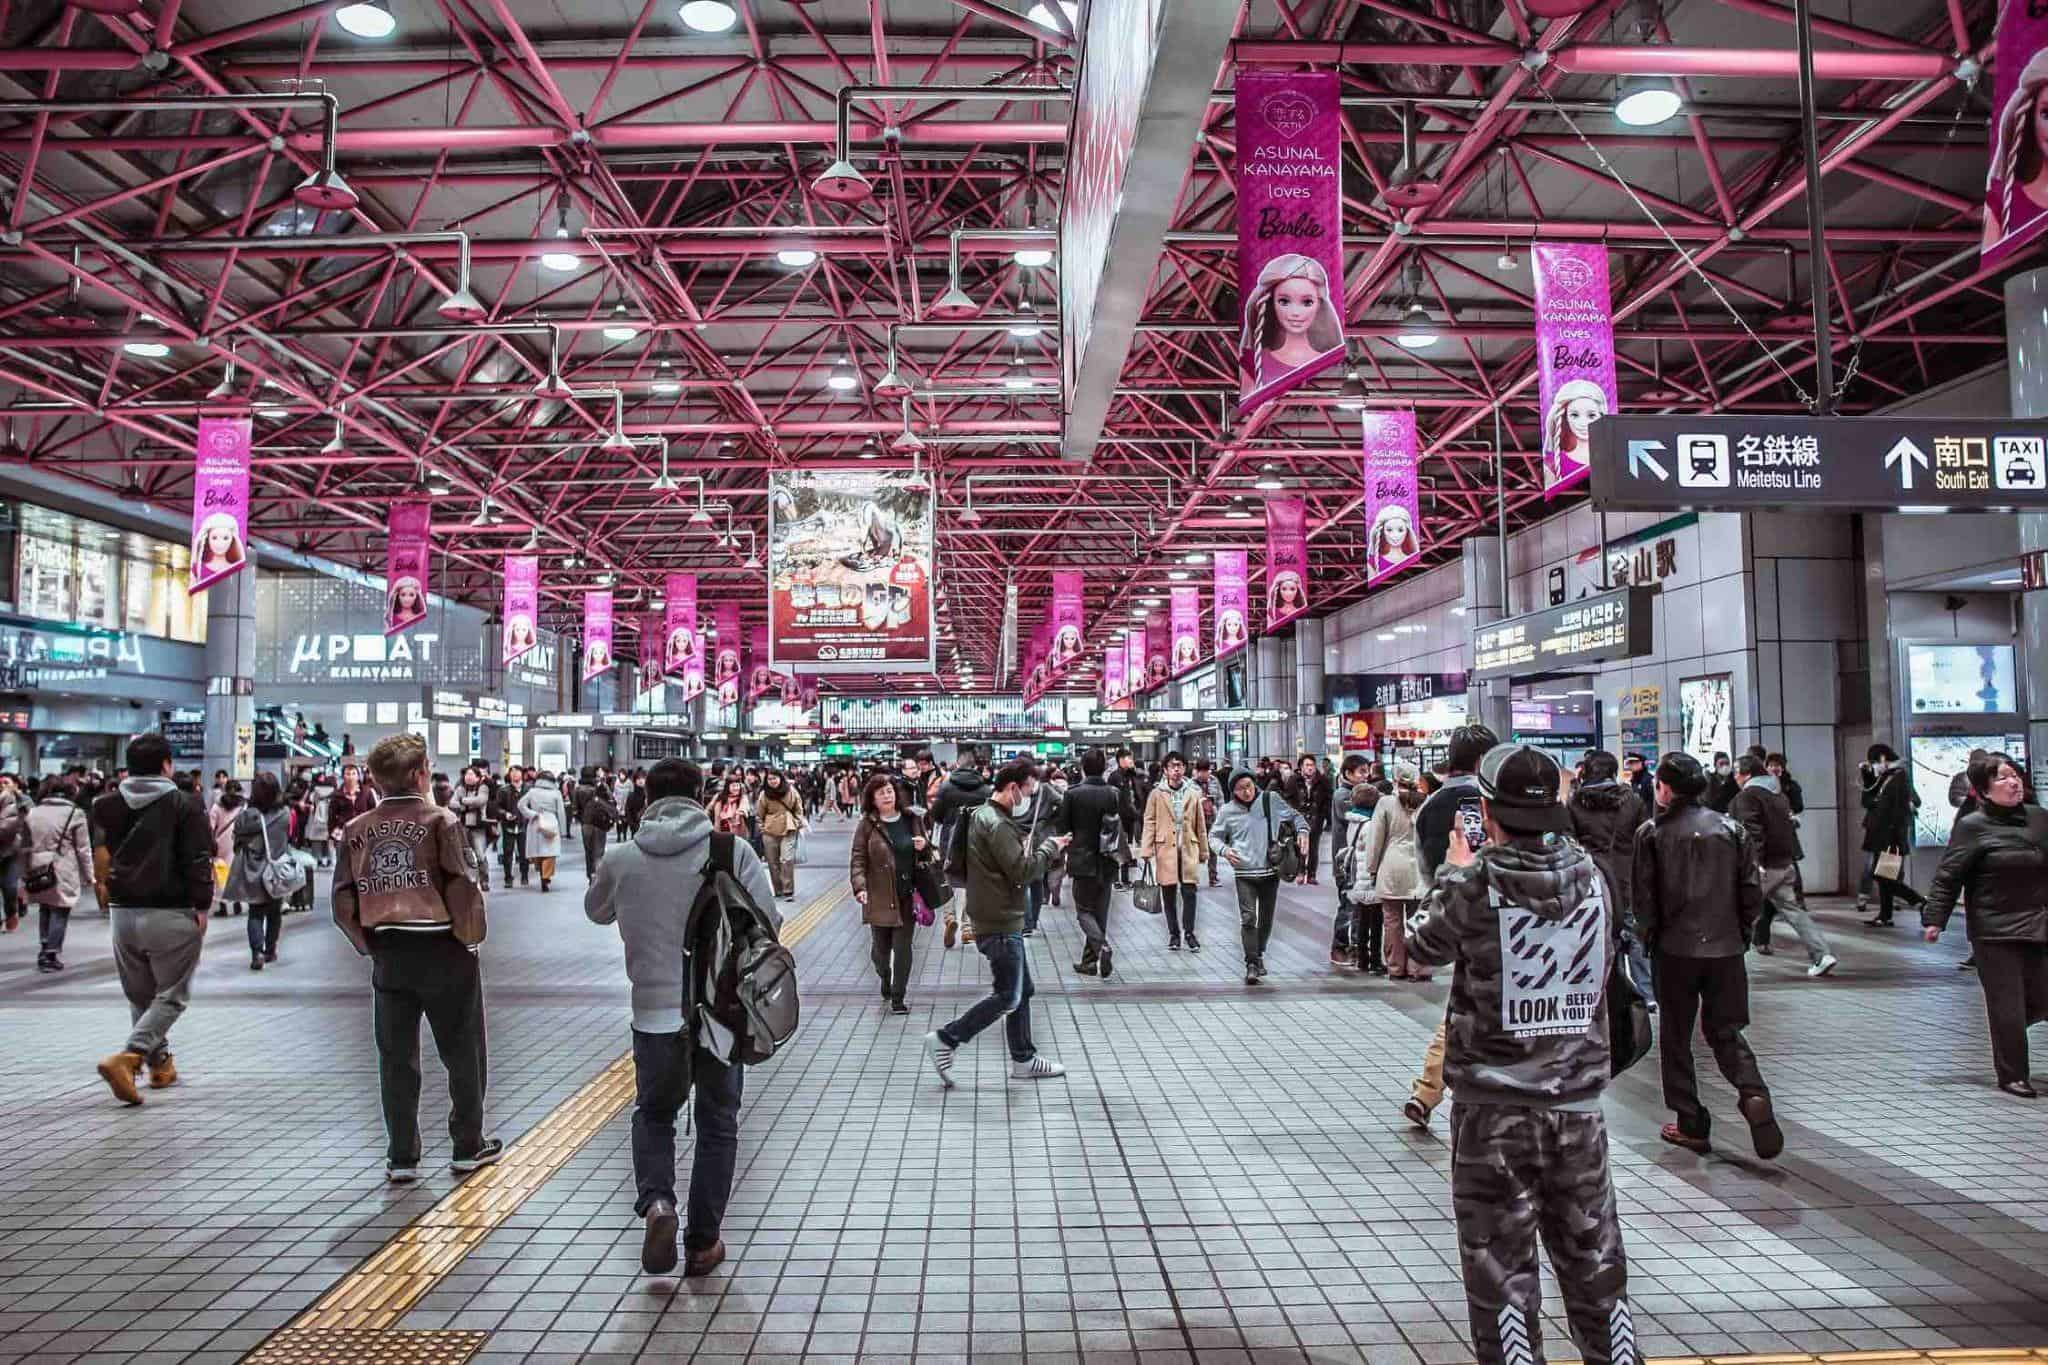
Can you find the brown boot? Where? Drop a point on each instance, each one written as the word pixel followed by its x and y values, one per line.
pixel 163 1074
pixel 704 1260
pixel 119 1071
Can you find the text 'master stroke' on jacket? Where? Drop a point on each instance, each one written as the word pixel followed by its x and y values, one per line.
pixel 407 867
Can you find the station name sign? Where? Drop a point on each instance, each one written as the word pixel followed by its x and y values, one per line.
pixel 1873 464
pixel 1184 716
pixel 1378 691
pixel 1614 625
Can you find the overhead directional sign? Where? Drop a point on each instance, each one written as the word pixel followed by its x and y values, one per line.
pixel 1614 625
pixel 1873 464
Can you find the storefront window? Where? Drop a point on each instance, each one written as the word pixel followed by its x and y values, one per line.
pixel 82 573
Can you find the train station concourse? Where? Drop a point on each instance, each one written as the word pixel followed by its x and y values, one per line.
pixel 1132 682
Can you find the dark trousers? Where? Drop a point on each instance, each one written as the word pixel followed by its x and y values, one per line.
pixel 593 849
pixel 431 976
pixel 56 921
pixel 1520 1176
pixel 1091 908
pixel 1889 891
pixel 512 849
pixel 1256 899
pixel 890 952
pixel 1315 848
pixel 1716 990
pixel 1368 933
pixel 266 922
pixel 1009 999
pixel 2015 981
pixel 1179 904
pixel 663 1078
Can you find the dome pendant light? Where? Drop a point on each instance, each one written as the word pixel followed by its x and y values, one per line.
pixel 552 385
pixel 462 305
pixel 842 183
pixel 954 305
pixel 366 19
pixel 1646 101
pixel 892 385
pixel 561 259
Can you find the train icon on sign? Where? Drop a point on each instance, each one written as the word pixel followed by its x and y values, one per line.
pixel 1702 461
pixel 2020 463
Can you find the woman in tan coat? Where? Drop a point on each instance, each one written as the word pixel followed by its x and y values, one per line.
pixel 887 845
pixel 781 813
pixel 1175 840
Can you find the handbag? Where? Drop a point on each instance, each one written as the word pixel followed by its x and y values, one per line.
pixel 1281 854
pixel 281 877
pixel 794 852
pixel 1145 893
pixel 1891 866
pixel 42 877
pixel 548 825
pixel 921 910
pixel 1629 1031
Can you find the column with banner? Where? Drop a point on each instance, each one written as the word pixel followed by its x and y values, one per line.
pixel 1574 356
pixel 1290 259
pixel 597 634
pixel 2016 185
pixel 725 671
pixel 1393 516
pixel 850 572
pixel 521 629
pixel 1233 602
pixel 1286 560
pixel 1186 617
pixel 407 553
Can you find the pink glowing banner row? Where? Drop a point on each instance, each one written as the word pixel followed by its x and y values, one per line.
pixel 650 652
pixel 1233 602
pixel 1391 497
pixel 597 634
pixel 1186 615
pixel 1574 356
pixel 683 658
pixel 2016 187
pixel 1290 259
pixel 1286 561
pixel 220 501
pixel 1113 688
pixel 408 549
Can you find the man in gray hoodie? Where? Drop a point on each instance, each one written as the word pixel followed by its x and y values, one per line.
pixel 647 887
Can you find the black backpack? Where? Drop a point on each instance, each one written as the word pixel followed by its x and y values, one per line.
pixel 745 978
pixel 956 842
pixel 143 870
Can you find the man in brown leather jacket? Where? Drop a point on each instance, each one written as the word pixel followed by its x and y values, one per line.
pixel 407 893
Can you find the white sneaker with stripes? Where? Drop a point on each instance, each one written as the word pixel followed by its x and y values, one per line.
pixel 1037 1069
pixel 942 1057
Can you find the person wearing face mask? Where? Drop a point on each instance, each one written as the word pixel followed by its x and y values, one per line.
pixel 1174 841
pixel 1997 860
pixel 1244 834
pixel 472 806
pixel 1721 786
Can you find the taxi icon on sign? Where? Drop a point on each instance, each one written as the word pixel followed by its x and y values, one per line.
pixel 2020 463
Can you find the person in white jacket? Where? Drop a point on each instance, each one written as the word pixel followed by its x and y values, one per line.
pixel 546 818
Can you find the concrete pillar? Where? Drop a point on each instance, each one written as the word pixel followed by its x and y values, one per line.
pixel 1270 688
pixel 230 676
pixel 2026 337
pixel 1308 685
pixel 1485 597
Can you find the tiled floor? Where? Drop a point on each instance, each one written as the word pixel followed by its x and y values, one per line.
pixel 1222 1176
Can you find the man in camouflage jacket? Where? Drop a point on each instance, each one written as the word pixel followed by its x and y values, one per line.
pixel 1531 925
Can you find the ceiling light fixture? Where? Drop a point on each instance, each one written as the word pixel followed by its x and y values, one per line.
pixel 483 514
pixel 662 483
pixel 437 484
pixel 1026 322
pixel 892 385
pixel 1418 329
pixel 1032 257
pixel 146 350
pixel 842 182
pixel 616 442
pixel 1197 557
pixel 561 259
pixel 1351 397
pixel 842 378
pixel 1018 375
pixel 871 449
pixel 461 305
pixel 954 305
pixel 665 381
pixel 796 257
pixel 366 19
pixel 621 327
pixel 1041 16
pixel 708 16
pixel 1177 575
pixel 1268 480
pixel 1646 101
pixel 336 444
pixel 1237 510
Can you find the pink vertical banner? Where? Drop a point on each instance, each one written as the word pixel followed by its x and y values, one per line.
pixel 1031 668
pixel 1068 622
pixel 682 645
pixel 760 677
pixel 725 673
pixel 597 634
pixel 1134 661
pixel 1574 355
pixel 522 606
pixel 1155 659
pixel 220 501
pixel 407 553
pixel 1113 689
pixel 1187 628
pixel 2016 186
pixel 1233 602
pixel 807 693
pixel 1290 260
pixel 650 652
pixel 1393 515
pixel 1286 560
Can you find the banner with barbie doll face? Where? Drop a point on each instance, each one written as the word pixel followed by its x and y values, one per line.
pixel 725 655
pixel 682 650
pixel 1574 356
pixel 522 606
pixel 807 694
pixel 1393 515
pixel 597 634
pixel 1286 560
pixel 2016 187
pixel 220 501
pixel 1233 602
pixel 1187 628
pixel 1034 671
pixel 1113 689
pixel 650 652
pixel 407 551
pixel 761 679
pixel 1290 258
pixel 1067 623
pixel 1134 661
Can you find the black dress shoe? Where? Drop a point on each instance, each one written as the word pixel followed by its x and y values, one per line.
pixel 2020 1089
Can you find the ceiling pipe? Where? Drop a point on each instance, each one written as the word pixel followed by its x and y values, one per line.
pixel 1721 109
pixel 458 305
pixel 842 183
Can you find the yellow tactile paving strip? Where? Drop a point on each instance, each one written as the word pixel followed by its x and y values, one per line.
pixel 375 1295
pixel 339 1346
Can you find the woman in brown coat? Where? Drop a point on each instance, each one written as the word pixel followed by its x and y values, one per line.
pixel 887 845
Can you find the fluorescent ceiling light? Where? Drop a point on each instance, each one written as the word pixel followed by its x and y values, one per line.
pixel 1041 16
pixel 709 16
pixel 1646 101
pixel 1384 635
pixel 1019 375
pixel 796 257
pixel 1198 557
pixel 1177 575
pixel 1032 257
pixel 147 350
pixel 366 19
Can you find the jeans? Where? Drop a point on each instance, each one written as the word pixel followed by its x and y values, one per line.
pixel 55 921
pixel 1781 896
pixel 511 849
pixel 1009 999
pixel 663 1079
pixel 1179 903
pixel 1256 899
pixel 1716 991
pixel 1034 900
pixel 428 976
pixel 2015 981
pixel 1091 908
pixel 156 952
pixel 479 837
pixel 890 953
pixel 266 922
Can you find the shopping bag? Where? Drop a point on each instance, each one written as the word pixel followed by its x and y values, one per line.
pixel 796 853
pixel 922 911
pixel 1891 866
pixel 1145 891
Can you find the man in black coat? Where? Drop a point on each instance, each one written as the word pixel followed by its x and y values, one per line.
pixel 1088 806
pixel 1697 896
pixel 1126 778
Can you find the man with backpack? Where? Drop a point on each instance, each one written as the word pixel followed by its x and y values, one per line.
pixel 999 869
pixel 960 795
pixel 661 889
pixel 1251 833
pixel 153 870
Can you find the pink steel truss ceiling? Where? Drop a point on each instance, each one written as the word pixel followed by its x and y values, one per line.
pixel 682 163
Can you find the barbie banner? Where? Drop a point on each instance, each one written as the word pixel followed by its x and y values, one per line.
pixel 1035 669
pixel 807 694
pixel 1187 629
pixel 682 646
pixel 1155 659
pixel 407 549
pixel 760 677
pixel 1068 621
pixel 220 501
pixel 650 652
pixel 1290 262
pixel 2016 188
pixel 1574 355
pixel 850 572
pixel 1113 689
pixel 1392 513
pixel 522 606
pixel 725 671
pixel 597 634
pixel 1134 661
pixel 1286 560
pixel 1233 602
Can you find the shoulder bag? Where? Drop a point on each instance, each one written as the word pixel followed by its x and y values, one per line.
pixel 928 878
pixel 281 878
pixel 1145 893
pixel 1281 854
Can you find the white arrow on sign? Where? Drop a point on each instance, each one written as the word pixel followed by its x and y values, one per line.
pixel 1902 456
pixel 1639 453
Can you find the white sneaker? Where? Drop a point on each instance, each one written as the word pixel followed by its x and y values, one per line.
pixel 942 1058
pixel 1821 968
pixel 1037 1069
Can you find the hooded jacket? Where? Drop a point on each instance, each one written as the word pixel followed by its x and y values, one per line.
pixel 647 885
pixel 151 847
pixel 1532 930
pixel 1605 818
pixel 963 792
pixel 1763 811
pixel 406 867
pixel 1241 829
pixel 58 838
pixel 1088 805
pixel 1000 868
